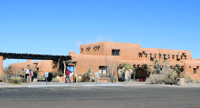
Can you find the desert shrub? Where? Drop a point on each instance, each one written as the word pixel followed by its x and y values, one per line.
pixel 187 78
pixel 54 74
pixel 55 80
pixel 115 80
pixel 40 78
pixel 89 75
pixel 120 73
pixel 15 80
pixel 195 81
pixel 85 78
pixel 79 77
pixel 127 69
pixel 181 75
pixel 166 76
pixel 59 72
pixel 6 73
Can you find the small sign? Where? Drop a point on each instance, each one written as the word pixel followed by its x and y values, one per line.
pixel 126 76
pixel 104 71
pixel 96 74
pixel 100 71
pixel 46 74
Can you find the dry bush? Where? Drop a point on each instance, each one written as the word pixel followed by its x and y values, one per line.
pixel 15 80
pixel 166 76
pixel 187 78
pixel 55 80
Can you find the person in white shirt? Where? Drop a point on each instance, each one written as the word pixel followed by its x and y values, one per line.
pixel 26 73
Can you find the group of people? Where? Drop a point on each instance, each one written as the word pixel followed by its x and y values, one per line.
pixel 28 74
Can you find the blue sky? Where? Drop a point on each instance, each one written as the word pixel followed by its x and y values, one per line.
pixel 55 26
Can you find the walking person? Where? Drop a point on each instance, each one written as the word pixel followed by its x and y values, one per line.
pixel 67 76
pixel 26 73
pixel 31 75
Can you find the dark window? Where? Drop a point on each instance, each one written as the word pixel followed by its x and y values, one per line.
pixel 81 50
pixel 189 66
pixel 140 54
pixel 168 56
pixel 88 49
pixel 194 70
pixel 155 55
pixel 146 55
pixel 173 56
pixel 102 69
pixel 150 54
pixel 159 55
pixel 115 52
pixel 151 59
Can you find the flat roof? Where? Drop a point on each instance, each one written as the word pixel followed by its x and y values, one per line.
pixel 34 56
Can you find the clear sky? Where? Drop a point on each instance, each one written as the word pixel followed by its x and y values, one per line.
pixel 56 26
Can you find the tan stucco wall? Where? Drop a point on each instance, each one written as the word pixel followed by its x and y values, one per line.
pixel 44 66
pixel 1 65
pixel 128 54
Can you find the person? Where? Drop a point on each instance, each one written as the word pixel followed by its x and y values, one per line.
pixel 31 76
pixel 67 76
pixel 26 73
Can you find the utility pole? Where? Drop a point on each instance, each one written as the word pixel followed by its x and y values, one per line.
pixel 17 67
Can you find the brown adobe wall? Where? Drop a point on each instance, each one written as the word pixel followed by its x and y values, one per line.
pixel 1 65
pixel 167 51
pixel 44 66
pixel 93 62
pixel 92 49
pixel 189 66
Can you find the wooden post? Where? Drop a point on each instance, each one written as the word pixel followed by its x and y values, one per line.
pixel 75 72
pixel 1 65
pixel 58 64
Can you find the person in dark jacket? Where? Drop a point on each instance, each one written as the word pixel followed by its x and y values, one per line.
pixel 67 76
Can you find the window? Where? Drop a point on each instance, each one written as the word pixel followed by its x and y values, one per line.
pixel 173 56
pixel 102 69
pixel 146 55
pixel 96 48
pixel 150 54
pixel 151 59
pixel 159 55
pixel 115 52
pixel 81 50
pixel 155 55
pixel 140 54
pixel 194 70
pixel 88 49
pixel 168 56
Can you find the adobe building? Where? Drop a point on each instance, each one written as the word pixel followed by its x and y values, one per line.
pixel 98 55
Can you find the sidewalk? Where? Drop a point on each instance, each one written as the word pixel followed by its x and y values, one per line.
pixel 62 84
pixel 91 84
